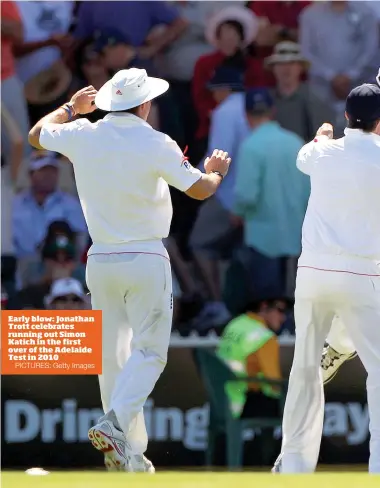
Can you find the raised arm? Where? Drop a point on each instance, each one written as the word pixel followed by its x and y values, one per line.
pixel 80 103
pixel 216 168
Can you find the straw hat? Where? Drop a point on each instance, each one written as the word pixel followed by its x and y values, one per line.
pixel 286 52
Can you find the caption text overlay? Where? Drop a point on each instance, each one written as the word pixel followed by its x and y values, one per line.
pixel 51 342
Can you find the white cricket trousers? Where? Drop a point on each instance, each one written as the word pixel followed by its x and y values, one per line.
pixel 319 297
pixel 134 292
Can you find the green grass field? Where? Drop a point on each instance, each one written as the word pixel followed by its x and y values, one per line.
pixel 95 479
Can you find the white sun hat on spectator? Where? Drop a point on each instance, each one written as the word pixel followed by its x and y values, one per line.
pixel 41 159
pixel 286 52
pixel 64 287
pixel 129 88
pixel 243 15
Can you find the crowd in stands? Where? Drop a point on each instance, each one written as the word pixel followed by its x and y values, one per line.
pixel 255 79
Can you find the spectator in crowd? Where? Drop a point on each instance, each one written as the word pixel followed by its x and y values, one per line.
pixel 39 58
pixel 135 20
pixel 214 234
pixel 176 64
pixel 249 346
pixel 11 163
pixel 117 53
pixel 66 294
pixel 59 258
pixel 294 97
pixel 279 20
pixel 374 6
pixel 341 41
pixel 36 208
pixel 271 195
pixel 230 31
pixel 116 50
pixel 12 90
pixel 91 69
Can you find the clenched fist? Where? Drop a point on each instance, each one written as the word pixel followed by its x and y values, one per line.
pixel 326 130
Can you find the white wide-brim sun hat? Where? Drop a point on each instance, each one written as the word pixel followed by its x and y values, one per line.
pixel 243 15
pixel 129 88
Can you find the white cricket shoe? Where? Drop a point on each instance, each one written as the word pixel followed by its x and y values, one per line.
pixel 141 464
pixel 331 361
pixel 111 442
pixel 118 455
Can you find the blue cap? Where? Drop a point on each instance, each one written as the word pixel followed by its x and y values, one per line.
pixel 258 100
pixel 109 37
pixel 226 77
pixel 363 103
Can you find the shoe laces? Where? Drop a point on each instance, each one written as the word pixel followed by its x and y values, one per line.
pixel 329 356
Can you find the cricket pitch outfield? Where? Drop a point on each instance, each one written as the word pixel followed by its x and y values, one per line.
pixel 93 479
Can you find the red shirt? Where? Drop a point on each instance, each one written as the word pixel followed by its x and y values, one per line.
pixel 9 11
pixel 256 75
pixel 280 13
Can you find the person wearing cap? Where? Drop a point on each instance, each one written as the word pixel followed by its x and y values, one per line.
pixel 123 168
pixel 249 346
pixel 66 294
pixel 58 258
pixel 338 274
pixel 214 236
pixel 270 194
pixel 35 208
pixel 116 49
pixel 134 20
pixel 292 96
pixel 230 31
pixel 117 52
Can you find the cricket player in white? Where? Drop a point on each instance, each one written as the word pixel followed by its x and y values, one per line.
pixel 122 168
pixel 338 275
pixel 339 347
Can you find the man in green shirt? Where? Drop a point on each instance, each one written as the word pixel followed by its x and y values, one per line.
pixel 250 347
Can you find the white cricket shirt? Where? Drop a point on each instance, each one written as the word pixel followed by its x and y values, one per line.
pixel 341 230
pixel 122 170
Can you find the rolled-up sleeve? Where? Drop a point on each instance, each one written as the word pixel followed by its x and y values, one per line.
pixel 62 138
pixel 174 168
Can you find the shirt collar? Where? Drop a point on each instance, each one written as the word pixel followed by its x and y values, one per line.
pixel 266 125
pixel 124 118
pixel 359 133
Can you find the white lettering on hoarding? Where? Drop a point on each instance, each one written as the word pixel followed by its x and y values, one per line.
pixel 24 422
